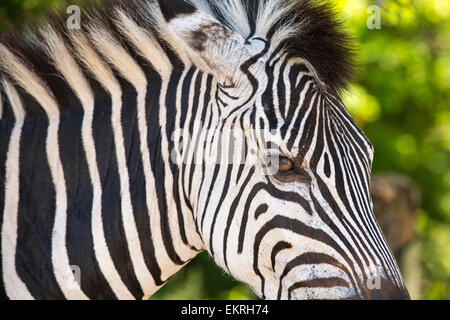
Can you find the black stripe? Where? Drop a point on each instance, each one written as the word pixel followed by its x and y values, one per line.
pixel 310 122
pixel 231 215
pixel 144 226
pixel 326 165
pixel 318 283
pixel 329 222
pixel 281 91
pixel 196 84
pixel 173 8
pixel 80 247
pixel 277 248
pixel 218 205
pixel 185 88
pixel 158 168
pixel 136 179
pixel 202 120
pixel 296 90
pixel 320 136
pixel 36 209
pixel 262 208
pixel 273 191
pixel 105 146
pixel 245 68
pixel 344 150
pixel 297 227
pixel 210 189
pixel 311 258
pixel 340 176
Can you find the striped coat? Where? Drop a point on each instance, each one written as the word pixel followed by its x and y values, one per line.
pixel 162 129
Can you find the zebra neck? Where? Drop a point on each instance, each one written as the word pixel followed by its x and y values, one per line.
pixel 188 114
pixel 125 222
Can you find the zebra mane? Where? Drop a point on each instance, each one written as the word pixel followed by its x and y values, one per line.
pixel 117 30
pixel 309 29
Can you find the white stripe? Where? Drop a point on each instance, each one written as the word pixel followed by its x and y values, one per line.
pixel 60 260
pixel 106 78
pixel 276 99
pixel 208 155
pixel 131 71
pixel 153 53
pixel 146 44
pixel 268 14
pixel 161 254
pixel 126 208
pixel 14 286
pixel 63 273
pixel 233 11
pixel 306 116
pixel 356 223
pixel 375 239
pixel 61 265
pixel 288 89
pixel 149 48
pixel 184 251
pixel 30 81
pixel 340 225
pixel 149 181
pixel 191 231
pixel 184 52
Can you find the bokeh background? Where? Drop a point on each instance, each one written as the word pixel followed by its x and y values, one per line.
pixel 401 99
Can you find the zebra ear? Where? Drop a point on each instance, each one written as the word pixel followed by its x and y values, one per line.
pixel 215 45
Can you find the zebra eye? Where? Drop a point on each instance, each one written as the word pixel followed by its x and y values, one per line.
pixel 285 164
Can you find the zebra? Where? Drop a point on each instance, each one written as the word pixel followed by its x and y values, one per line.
pixel 161 129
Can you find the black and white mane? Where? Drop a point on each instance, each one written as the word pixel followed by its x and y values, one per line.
pixel 307 29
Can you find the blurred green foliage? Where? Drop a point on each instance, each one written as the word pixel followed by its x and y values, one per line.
pixel 401 99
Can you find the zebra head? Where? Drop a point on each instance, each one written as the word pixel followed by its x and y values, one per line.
pixel 284 205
